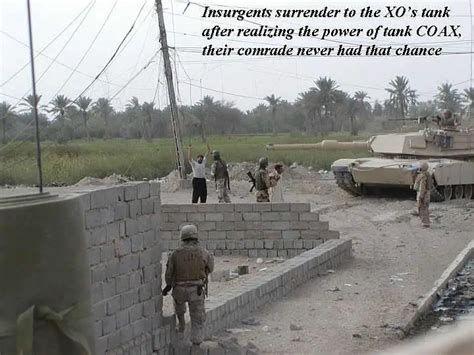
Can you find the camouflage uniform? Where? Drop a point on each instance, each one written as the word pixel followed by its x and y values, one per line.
pixel 221 176
pixel 263 181
pixel 423 187
pixel 186 272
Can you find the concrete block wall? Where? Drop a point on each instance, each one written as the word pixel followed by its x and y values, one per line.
pixel 251 229
pixel 122 226
pixel 242 300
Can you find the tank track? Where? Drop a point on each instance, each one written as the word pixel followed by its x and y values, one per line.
pixel 345 181
pixel 435 195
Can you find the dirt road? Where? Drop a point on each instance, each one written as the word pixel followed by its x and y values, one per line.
pixel 395 262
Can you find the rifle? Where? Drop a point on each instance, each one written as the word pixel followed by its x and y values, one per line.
pixel 206 284
pixel 252 180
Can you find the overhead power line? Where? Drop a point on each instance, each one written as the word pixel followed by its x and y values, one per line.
pixel 113 55
pixel 48 45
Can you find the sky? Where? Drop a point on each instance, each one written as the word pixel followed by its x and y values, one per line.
pixel 96 27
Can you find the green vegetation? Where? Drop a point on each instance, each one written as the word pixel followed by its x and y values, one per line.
pixel 70 162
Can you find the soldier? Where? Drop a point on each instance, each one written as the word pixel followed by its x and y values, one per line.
pixel 446 119
pixel 186 273
pixel 422 186
pixel 221 176
pixel 263 181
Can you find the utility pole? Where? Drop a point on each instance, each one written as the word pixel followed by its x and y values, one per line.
pixel 171 93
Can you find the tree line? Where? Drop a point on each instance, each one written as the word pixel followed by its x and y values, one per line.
pixel 322 109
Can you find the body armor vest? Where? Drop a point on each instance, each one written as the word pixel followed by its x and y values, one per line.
pixel 221 170
pixel 190 264
pixel 260 183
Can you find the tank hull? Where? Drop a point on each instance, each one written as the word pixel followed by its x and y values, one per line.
pixel 452 178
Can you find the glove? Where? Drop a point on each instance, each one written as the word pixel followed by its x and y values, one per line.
pixel 165 291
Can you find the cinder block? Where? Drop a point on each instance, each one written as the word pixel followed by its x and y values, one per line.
pixel 125 246
pixel 137 243
pixel 300 207
pixel 109 288
pixel 230 244
pixel 291 235
pixel 122 318
pixel 135 208
pixel 298 225
pixel 112 268
pixel 271 216
pixel 272 253
pixel 130 193
pixel 207 226
pixel 127 299
pixel 268 244
pixel 146 257
pixel 93 255
pixel 226 252
pixel 288 244
pixel 126 333
pixel 128 263
pixel 213 235
pixel 170 208
pixel 274 235
pixel 97 292
pixel 310 234
pixel 224 226
pixel 93 219
pixel 195 217
pixel 136 312
pixel 239 244
pixel 282 253
pixel 251 216
pixel 298 244
pixel 292 253
pixel 278 244
pixel 218 252
pixel 149 308
pixel 98 236
pixel 150 238
pixel 253 253
pixel 282 226
pixel 113 305
pixel 262 207
pixel 113 341
pixel 309 216
pixel 308 244
pixel 101 345
pixel 289 216
pixel 143 190
pixel 131 227
pixel 259 244
pixel 243 207
pixel 154 189
pixel 177 217
pixel 262 253
pixel 123 283
pixel 122 229
pixel 211 245
pixel 98 273
pixel 252 234
pixel 114 195
pixel 97 199
pixel 207 207
pixel 156 205
pixel 147 206
pixel 214 217
pixel 112 232
pixel 280 207
pixel 232 216
pixel 235 235
pixel 319 226
pixel 249 244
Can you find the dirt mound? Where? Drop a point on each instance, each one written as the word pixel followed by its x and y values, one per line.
pixel 113 179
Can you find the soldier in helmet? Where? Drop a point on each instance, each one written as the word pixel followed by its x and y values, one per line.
pixel 423 182
pixel 221 176
pixel 186 273
pixel 447 119
pixel 263 181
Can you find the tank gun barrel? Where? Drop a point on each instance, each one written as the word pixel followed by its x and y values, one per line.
pixel 324 145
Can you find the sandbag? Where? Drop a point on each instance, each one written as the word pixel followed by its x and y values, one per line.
pixel 45 304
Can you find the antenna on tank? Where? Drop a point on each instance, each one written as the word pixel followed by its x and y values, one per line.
pixel 35 102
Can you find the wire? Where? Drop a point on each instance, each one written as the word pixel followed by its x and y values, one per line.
pixel 87 50
pixel 158 82
pixel 47 46
pixel 68 66
pixel 113 55
pixel 224 92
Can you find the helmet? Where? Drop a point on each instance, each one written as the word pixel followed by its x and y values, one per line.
pixel 447 114
pixel 263 162
pixel 188 231
pixel 216 155
pixel 424 166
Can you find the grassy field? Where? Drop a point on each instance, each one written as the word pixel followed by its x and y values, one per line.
pixel 69 163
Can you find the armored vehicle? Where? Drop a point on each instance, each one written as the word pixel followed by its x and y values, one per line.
pixel 448 149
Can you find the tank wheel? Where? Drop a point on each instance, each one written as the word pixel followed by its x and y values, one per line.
pixel 468 192
pixel 448 192
pixel 458 192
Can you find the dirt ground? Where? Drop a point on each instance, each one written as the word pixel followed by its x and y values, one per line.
pixel 359 307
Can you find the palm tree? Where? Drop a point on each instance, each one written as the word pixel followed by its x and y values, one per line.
pixel 29 102
pixel 469 100
pixel 6 112
pixel 448 98
pixel 273 103
pixel 58 107
pixel 401 95
pixel 309 102
pixel 104 109
pixel 148 109
pixel 83 103
pixel 326 91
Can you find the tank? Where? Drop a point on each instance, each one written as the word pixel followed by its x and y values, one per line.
pixel 449 152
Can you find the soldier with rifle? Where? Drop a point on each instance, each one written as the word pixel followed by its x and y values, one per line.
pixel 186 274
pixel 221 177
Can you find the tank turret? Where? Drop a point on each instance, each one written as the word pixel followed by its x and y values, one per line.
pixel 448 149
